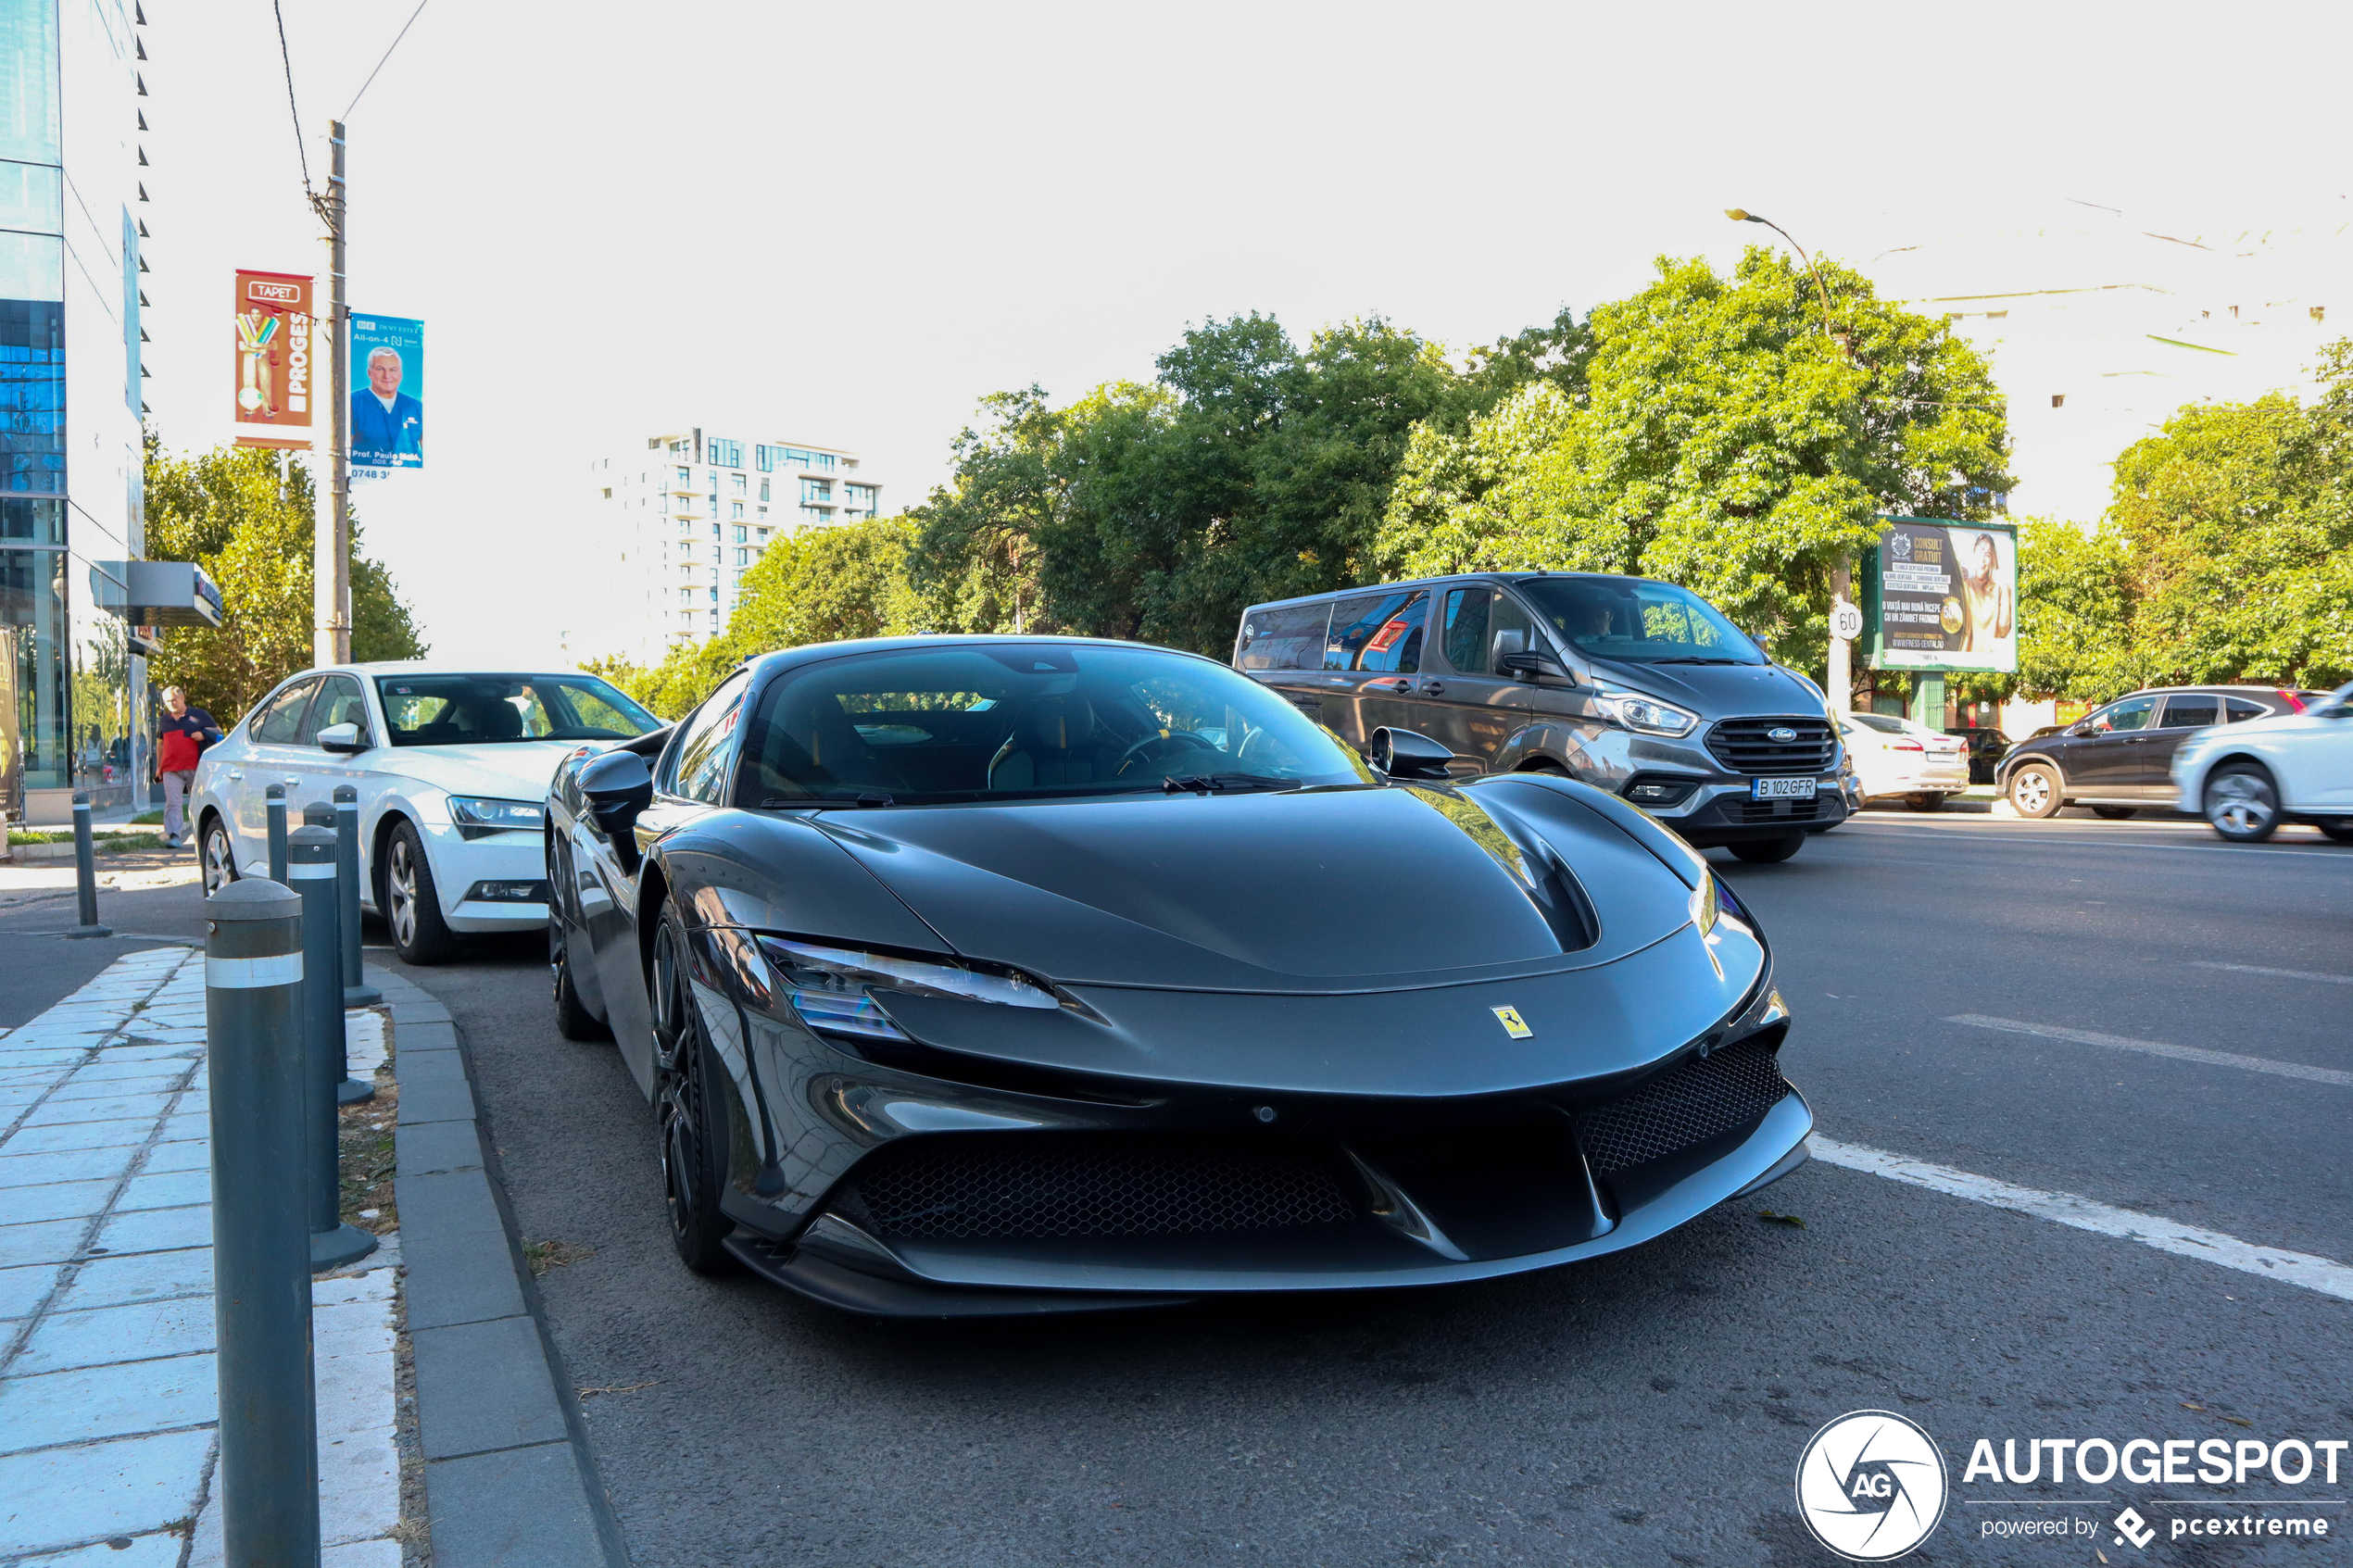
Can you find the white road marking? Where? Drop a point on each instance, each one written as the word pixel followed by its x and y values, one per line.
pixel 2157 1048
pixel 2026 837
pixel 2322 1274
pixel 2283 974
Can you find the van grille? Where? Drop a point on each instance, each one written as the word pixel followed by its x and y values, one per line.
pixel 1746 746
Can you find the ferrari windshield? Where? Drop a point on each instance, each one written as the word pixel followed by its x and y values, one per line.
pixel 1021 720
pixel 471 709
pixel 1635 622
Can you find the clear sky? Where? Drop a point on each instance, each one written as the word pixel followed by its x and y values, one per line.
pixel 844 224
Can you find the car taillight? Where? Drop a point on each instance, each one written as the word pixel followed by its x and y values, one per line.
pixel 1905 745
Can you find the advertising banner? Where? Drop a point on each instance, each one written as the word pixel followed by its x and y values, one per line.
pixel 1943 595
pixel 387 392
pixel 274 360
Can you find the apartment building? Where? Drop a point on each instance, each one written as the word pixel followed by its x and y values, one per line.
pixel 684 517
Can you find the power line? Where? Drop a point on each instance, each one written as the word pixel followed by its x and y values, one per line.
pixel 301 151
pixel 387 55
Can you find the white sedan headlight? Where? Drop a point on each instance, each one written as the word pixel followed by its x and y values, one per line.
pixel 476 816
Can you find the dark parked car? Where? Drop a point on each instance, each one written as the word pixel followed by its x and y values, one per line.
pixel 2119 759
pixel 1986 750
pixel 1005 975
pixel 1635 687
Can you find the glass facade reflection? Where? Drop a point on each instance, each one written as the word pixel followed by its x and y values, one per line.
pixel 73 700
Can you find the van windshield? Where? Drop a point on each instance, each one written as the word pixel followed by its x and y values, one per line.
pixel 1630 621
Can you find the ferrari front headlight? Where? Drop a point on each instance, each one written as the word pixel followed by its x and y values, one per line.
pixel 830 988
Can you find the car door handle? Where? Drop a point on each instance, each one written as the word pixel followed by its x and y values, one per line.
pixel 1400 686
pixel 1431 688
pixel 294 778
pixel 236 772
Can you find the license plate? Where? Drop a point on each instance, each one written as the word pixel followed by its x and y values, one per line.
pixel 1780 789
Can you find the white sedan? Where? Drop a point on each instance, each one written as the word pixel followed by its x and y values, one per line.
pixel 451 766
pixel 2246 779
pixel 1893 756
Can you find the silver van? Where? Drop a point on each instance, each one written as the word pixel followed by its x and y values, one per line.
pixel 1635 687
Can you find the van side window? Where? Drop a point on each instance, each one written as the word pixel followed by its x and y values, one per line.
pixel 1285 637
pixel 1379 632
pixel 1466 629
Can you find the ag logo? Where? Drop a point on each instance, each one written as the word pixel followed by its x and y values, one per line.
pixel 1871 1486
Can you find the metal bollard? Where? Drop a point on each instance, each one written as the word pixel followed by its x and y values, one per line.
pixel 356 992
pixel 269 1467
pixel 86 870
pixel 275 795
pixel 348 1090
pixel 311 862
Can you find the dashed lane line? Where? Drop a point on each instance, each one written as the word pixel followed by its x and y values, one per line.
pixel 2158 1048
pixel 2301 1269
pixel 2282 974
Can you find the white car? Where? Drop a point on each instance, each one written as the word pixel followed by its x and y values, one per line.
pixel 451 766
pixel 1894 756
pixel 2246 779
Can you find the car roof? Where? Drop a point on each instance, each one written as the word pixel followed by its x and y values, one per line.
pixel 810 653
pixel 1504 577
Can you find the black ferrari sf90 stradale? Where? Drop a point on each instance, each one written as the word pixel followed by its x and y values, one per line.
pixel 1003 974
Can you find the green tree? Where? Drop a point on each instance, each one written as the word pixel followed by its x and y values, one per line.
pixel 2236 520
pixel 246 516
pixel 2075 609
pixel 1722 440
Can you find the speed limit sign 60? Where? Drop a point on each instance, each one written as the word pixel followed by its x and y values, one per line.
pixel 1846 622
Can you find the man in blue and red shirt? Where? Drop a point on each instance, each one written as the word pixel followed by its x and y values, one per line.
pixel 181 738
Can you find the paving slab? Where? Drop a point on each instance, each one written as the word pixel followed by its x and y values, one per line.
pixel 521 1508
pixel 60 1496
pixel 484 1386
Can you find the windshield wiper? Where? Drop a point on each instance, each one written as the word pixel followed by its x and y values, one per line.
pixel 1223 784
pixel 813 803
pixel 1686 660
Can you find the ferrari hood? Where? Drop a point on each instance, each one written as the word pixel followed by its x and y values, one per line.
pixel 1311 890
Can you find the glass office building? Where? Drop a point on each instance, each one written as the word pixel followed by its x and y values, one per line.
pixel 73 700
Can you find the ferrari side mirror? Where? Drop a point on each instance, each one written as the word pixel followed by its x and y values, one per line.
pixel 1402 754
pixel 618 788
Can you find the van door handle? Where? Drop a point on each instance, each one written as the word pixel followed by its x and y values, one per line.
pixel 1431 688
pixel 1401 686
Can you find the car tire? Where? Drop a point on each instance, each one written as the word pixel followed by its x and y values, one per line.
pixel 694 1153
pixel 411 903
pixel 2341 830
pixel 2115 813
pixel 216 855
pixel 1932 801
pixel 2241 803
pixel 1765 851
pixel 2036 791
pixel 574 1021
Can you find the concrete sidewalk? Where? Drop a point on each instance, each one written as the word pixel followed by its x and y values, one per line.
pixel 108 1399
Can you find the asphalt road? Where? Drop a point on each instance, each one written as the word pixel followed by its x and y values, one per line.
pixel 1649 1407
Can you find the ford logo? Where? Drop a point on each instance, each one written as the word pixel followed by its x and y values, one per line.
pixel 1782 736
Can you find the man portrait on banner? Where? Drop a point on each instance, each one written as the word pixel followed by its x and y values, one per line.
pixel 387 425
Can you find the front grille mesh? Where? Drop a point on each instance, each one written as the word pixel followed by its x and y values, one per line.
pixel 1061 1184
pixel 1747 811
pixel 1746 746
pixel 1698 1099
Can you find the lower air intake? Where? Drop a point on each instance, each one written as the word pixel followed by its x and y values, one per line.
pixel 1687 1104
pixel 1055 1184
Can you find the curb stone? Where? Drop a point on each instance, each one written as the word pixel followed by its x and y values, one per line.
pixel 510 1481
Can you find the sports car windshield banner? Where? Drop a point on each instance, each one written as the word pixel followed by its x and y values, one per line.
pixel 1944 596
pixel 274 360
pixel 387 393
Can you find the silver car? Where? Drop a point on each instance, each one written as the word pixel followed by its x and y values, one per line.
pixel 1633 685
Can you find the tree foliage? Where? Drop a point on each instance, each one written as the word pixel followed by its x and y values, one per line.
pixel 1720 439
pixel 246 516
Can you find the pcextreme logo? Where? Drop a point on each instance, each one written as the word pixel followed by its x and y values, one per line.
pixel 1871 1486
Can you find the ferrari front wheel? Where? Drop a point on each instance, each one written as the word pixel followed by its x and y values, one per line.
pixel 694 1154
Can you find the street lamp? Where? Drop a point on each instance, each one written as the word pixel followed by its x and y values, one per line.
pixel 1840 675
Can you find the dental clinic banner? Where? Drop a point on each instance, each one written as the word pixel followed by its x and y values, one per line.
pixel 387 392
pixel 1939 595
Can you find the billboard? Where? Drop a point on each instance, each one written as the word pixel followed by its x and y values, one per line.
pixel 274 360
pixel 387 392
pixel 1940 595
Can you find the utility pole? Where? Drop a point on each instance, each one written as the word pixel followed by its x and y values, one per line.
pixel 331 556
pixel 1841 669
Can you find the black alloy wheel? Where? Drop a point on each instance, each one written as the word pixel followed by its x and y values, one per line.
pixel 2034 791
pixel 2341 830
pixel 694 1157
pixel 1927 800
pixel 574 1021
pixel 216 853
pixel 2242 803
pixel 1765 851
pixel 2114 813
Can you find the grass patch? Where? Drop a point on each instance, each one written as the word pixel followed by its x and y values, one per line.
pixel 148 819
pixel 368 1161
pixel 544 1255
